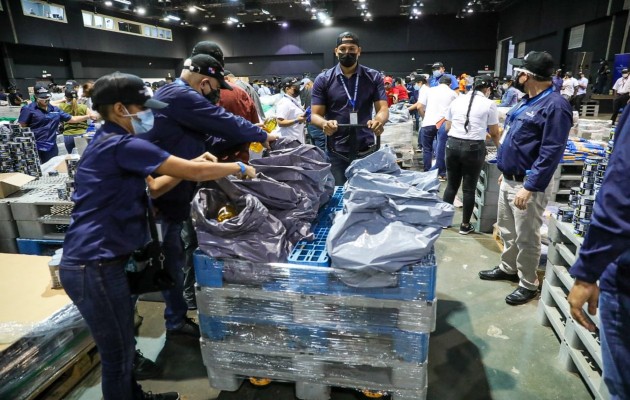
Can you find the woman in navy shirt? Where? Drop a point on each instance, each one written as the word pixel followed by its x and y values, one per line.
pixel 109 221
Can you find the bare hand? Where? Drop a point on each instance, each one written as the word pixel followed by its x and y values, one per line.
pixel 330 127
pixel 250 172
pixel 272 137
pixel 583 292
pixel 521 198
pixel 206 157
pixel 376 126
pixel 300 119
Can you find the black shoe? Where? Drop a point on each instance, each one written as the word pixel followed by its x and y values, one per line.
pixel 143 368
pixel 465 229
pixel 496 274
pixel 520 296
pixel 189 328
pixel 192 304
pixel 161 396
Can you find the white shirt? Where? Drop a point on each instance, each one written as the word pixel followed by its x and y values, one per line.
pixel 436 100
pixel 582 84
pixel 568 87
pixel 289 108
pixel 264 91
pixel 622 85
pixel 482 113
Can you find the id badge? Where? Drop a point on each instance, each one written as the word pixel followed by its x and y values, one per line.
pixel 354 118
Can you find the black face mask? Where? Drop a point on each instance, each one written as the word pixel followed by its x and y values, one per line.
pixel 518 85
pixel 213 96
pixel 347 59
pixel 296 92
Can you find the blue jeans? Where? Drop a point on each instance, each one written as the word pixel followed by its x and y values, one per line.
pixel 614 316
pixel 45 155
pixel 338 168
pixel 68 141
pixel 102 296
pixel 317 135
pixel 440 153
pixel 427 135
pixel 176 307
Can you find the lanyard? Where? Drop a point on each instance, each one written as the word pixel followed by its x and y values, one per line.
pixel 353 101
pixel 294 101
pixel 527 104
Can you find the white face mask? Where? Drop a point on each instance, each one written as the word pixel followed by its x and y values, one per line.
pixel 505 86
pixel 624 75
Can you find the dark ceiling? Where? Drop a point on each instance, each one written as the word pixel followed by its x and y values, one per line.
pixel 205 13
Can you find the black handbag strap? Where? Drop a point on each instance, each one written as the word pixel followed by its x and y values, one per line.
pixel 151 218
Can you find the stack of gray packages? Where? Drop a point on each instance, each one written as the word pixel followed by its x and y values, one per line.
pixel 391 219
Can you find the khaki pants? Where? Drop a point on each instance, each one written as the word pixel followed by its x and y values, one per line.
pixel 520 230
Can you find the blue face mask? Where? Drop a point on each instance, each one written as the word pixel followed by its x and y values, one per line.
pixel 416 86
pixel 436 73
pixel 142 121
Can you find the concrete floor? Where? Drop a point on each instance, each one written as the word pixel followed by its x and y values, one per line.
pixel 482 347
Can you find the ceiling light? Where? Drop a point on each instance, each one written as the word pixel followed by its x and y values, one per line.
pixel 204 28
pixel 284 25
pixel 141 10
pixel 127 2
pixel 314 17
pixel 173 17
pixel 262 10
pixel 232 19
pixel 192 9
pixel 328 22
pixel 363 6
pixel 361 1
pixel 421 4
pixel 470 10
pixel 108 3
pixel 368 15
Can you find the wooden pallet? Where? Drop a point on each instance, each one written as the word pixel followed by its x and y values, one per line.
pixel 67 377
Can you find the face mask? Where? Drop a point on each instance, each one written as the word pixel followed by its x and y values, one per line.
pixel 213 96
pixel 417 87
pixel 624 75
pixel 505 86
pixel 296 92
pixel 142 121
pixel 347 59
pixel 436 73
pixel 518 85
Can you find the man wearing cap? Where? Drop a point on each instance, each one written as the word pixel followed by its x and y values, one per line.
pixel 346 94
pixel 388 83
pixel 289 111
pixel 249 89
pixel 621 90
pixel 44 119
pixel 15 97
pixel 535 134
pixel 511 94
pixel 438 72
pixel 191 125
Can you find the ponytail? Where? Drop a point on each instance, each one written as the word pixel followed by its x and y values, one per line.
pixel 472 97
pixel 74 110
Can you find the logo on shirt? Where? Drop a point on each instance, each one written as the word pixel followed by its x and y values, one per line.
pixel 530 114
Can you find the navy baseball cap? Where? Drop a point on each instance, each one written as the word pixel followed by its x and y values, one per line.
pixel 124 88
pixel 209 66
pixel 535 62
pixel 71 94
pixel 41 91
pixel 209 48
pixel 347 38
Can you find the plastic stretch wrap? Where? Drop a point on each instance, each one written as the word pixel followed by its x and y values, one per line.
pixel 305 174
pixel 253 233
pixel 398 136
pixel 38 350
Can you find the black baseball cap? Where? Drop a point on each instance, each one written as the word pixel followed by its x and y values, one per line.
pixel 209 66
pixel 41 91
pixel 71 83
pixel 483 80
pixel 347 38
pixel 71 94
pixel 437 65
pixel 124 88
pixel 535 62
pixel 209 48
pixel 625 70
pixel 507 78
pixel 290 81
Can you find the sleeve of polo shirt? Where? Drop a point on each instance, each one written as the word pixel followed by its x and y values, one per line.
pixel 609 234
pixel 554 139
pixel 64 116
pixel 493 114
pixel 379 93
pixel 199 115
pixel 319 91
pixel 25 116
pixel 449 113
pixel 424 95
pixel 282 109
pixel 139 156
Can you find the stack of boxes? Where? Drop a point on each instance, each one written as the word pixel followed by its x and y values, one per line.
pixel 18 151
pixel 297 322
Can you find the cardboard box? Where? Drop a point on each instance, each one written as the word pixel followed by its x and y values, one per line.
pixel 11 182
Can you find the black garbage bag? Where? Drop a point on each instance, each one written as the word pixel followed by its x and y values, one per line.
pixel 310 176
pixel 292 207
pixel 284 143
pixel 253 234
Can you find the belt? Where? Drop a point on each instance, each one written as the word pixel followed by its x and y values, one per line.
pixel 516 178
pixel 109 261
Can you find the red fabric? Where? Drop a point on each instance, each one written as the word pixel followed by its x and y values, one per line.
pixel 238 102
pixel 390 96
pixel 402 92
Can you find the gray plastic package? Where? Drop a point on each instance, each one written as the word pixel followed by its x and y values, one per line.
pixel 253 235
pixel 310 176
pixel 398 113
pixel 383 160
pixel 284 143
pixel 305 150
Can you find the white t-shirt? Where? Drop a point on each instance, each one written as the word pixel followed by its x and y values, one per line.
pixel 482 113
pixel 568 87
pixel 582 84
pixel 290 108
pixel 436 100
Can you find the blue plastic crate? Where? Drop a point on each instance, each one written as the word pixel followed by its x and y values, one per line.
pixel 415 281
pixel 312 253
pixel 38 247
pixel 391 343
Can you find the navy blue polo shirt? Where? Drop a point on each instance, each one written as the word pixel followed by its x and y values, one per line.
pixel 608 236
pixel 109 216
pixel 43 123
pixel 434 81
pixel 536 138
pixel 328 90
pixel 187 128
